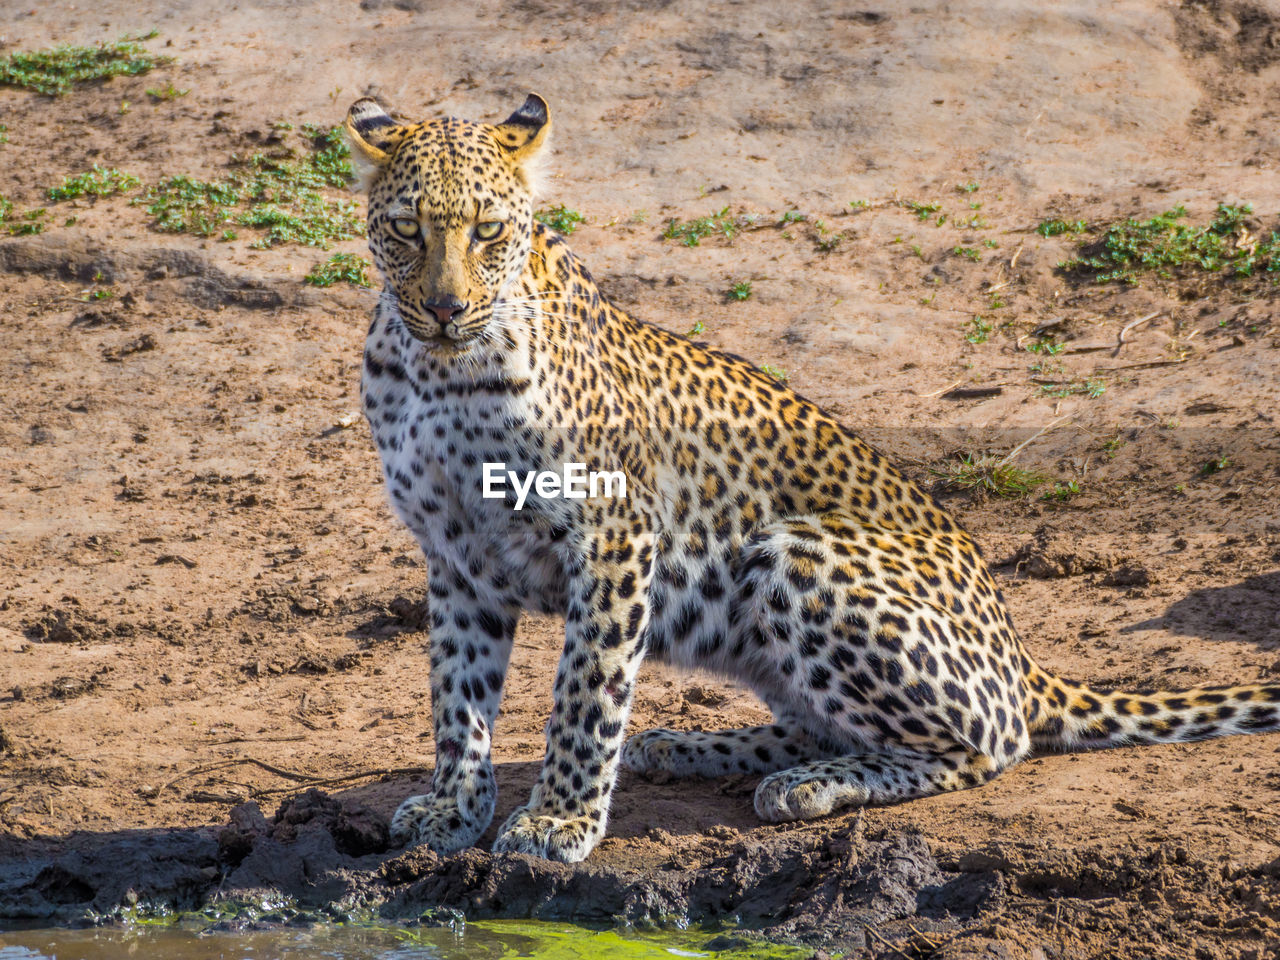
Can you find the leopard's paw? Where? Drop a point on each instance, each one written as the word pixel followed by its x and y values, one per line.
pixel 439 822
pixel 566 839
pixel 655 751
pixel 801 794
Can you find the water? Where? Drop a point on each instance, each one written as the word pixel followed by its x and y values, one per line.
pixel 493 940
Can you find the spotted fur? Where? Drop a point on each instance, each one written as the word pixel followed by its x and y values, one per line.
pixel 760 539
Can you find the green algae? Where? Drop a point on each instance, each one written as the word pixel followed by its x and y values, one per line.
pixel 479 940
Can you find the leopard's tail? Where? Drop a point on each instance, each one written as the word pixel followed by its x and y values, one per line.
pixel 1062 715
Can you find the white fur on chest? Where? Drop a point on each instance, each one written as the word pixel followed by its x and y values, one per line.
pixel 434 436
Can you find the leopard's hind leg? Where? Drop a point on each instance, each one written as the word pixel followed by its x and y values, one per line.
pixel 820 787
pixel 717 753
pixel 895 649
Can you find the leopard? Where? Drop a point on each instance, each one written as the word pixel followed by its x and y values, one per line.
pixel 760 540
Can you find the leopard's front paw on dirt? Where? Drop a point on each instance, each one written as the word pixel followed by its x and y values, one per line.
pixel 566 839
pixel 792 795
pixel 438 822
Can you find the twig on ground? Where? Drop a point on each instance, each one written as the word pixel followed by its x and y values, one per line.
pixel 1008 457
pixel 1129 326
pixel 942 390
pixel 300 780
pixel 876 933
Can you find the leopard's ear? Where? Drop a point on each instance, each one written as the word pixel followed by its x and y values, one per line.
pixel 373 136
pixel 525 131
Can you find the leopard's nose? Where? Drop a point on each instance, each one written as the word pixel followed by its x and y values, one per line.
pixel 446 309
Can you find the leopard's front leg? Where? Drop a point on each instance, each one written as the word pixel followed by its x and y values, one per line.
pixel 608 613
pixel 472 626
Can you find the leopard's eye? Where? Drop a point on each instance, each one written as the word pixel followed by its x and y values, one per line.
pixel 406 227
pixel 488 230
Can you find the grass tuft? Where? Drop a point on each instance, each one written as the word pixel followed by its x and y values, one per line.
pixel 979 329
pixel 279 195
pixel 56 70
pixel 690 232
pixel 16 225
pixel 990 474
pixel 776 372
pixel 1220 462
pixel 167 92
pixel 560 218
pixel 340 268
pixel 1166 246
pixel 1062 492
pixel 98 182
pixel 1054 228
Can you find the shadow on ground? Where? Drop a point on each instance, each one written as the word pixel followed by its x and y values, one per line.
pixel 1248 611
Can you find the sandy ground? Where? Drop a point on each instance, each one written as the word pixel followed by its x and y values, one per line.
pixel 199 575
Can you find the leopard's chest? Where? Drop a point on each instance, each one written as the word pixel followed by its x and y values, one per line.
pixel 435 434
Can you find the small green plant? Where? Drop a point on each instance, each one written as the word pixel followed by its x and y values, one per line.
pixel 1045 345
pixel 4 133
pixel 167 92
pixel 691 232
pixel 990 244
pixel 967 252
pixel 1045 367
pixel 857 205
pixel 559 218
pixel 279 195
pixel 56 70
pixel 979 329
pixel 1218 463
pixel 917 250
pixel 793 216
pixel 183 204
pixel 341 267
pixel 1093 388
pixel 988 473
pixel 697 330
pixel 26 224
pixel 1053 228
pixel 969 187
pixel 1164 245
pixel 740 290
pixel 923 211
pixel 97 183
pixel 776 372
pixel 826 240
pixel 1062 492
pixel 1111 446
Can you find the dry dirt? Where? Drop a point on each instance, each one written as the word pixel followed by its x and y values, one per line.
pixel 204 599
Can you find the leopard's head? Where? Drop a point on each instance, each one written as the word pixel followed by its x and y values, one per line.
pixel 450 212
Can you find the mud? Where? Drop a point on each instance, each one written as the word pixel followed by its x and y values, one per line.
pixel 877 893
